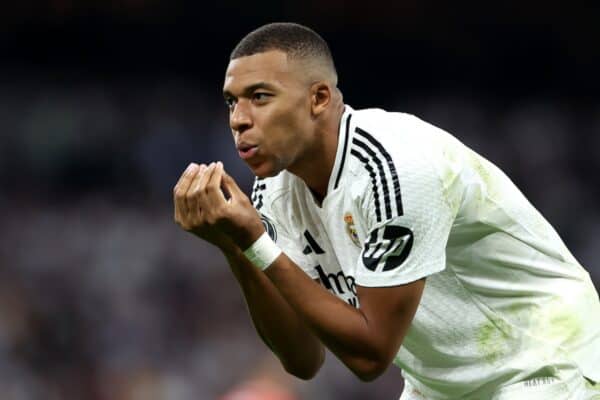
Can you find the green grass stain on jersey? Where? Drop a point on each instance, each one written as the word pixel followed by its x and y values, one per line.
pixel 563 324
pixel 555 323
pixel 558 322
pixel 483 172
pixel 493 339
pixel 478 164
pixel 450 181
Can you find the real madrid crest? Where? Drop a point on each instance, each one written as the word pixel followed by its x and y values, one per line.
pixel 351 228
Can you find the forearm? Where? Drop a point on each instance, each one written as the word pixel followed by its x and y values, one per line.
pixel 345 330
pixel 292 313
pixel 299 350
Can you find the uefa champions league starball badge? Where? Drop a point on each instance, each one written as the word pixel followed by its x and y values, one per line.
pixel 351 229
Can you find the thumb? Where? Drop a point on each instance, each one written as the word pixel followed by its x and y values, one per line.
pixel 231 186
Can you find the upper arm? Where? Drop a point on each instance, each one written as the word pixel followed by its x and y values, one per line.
pixel 389 312
pixel 406 217
pixel 406 223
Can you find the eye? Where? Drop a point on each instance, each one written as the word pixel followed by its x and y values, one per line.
pixel 260 96
pixel 230 102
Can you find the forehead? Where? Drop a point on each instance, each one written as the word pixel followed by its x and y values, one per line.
pixel 271 67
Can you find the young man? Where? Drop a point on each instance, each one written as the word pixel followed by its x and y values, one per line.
pixel 386 240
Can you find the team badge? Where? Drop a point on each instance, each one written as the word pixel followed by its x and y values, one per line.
pixel 351 228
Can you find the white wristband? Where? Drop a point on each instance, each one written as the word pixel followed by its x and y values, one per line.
pixel 263 252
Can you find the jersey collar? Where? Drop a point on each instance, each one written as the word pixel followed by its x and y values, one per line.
pixel 341 156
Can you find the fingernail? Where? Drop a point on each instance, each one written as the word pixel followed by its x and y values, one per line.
pixel 191 167
pixel 220 164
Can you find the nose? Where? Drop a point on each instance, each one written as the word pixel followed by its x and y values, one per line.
pixel 240 118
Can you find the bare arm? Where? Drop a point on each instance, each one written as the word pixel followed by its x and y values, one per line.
pixel 366 340
pixel 298 349
pixel 195 196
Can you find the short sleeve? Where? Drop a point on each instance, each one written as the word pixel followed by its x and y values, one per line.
pixel 276 224
pixel 407 221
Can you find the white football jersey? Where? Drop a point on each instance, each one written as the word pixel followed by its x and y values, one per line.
pixel 504 298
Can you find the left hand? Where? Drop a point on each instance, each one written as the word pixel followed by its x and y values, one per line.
pixel 202 209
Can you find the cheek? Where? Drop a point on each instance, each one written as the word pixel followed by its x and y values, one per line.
pixel 290 137
pixel 281 129
pixel 285 127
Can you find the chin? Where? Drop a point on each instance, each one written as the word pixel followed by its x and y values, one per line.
pixel 264 170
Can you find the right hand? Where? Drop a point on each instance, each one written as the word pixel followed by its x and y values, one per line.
pixel 202 209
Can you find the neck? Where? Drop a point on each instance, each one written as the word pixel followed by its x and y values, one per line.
pixel 317 171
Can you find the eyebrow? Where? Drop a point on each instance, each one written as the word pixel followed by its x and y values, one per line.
pixel 249 89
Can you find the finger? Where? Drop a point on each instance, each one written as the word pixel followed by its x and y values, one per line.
pixel 231 187
pixel 182 187
pixel 213 187
pixel 192 193
pixel 201 188
pixel 186 177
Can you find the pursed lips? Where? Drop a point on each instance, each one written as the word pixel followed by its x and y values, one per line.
pixel 246 150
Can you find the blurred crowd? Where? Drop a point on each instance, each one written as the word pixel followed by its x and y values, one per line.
pixel 103 297
pixel 103 104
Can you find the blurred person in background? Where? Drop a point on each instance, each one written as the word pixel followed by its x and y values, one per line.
pixel 267 381
pixel 399 243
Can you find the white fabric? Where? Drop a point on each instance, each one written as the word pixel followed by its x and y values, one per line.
pixel 566 384
pixel 262 252
pixel 504 297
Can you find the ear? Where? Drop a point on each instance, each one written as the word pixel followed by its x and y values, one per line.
pixel 320 97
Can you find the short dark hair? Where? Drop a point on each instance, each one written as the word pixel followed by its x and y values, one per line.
pixel 297 41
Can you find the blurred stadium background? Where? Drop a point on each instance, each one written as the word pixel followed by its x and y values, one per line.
pixel 102 104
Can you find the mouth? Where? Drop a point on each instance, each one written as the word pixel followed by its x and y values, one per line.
pixel 247 151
